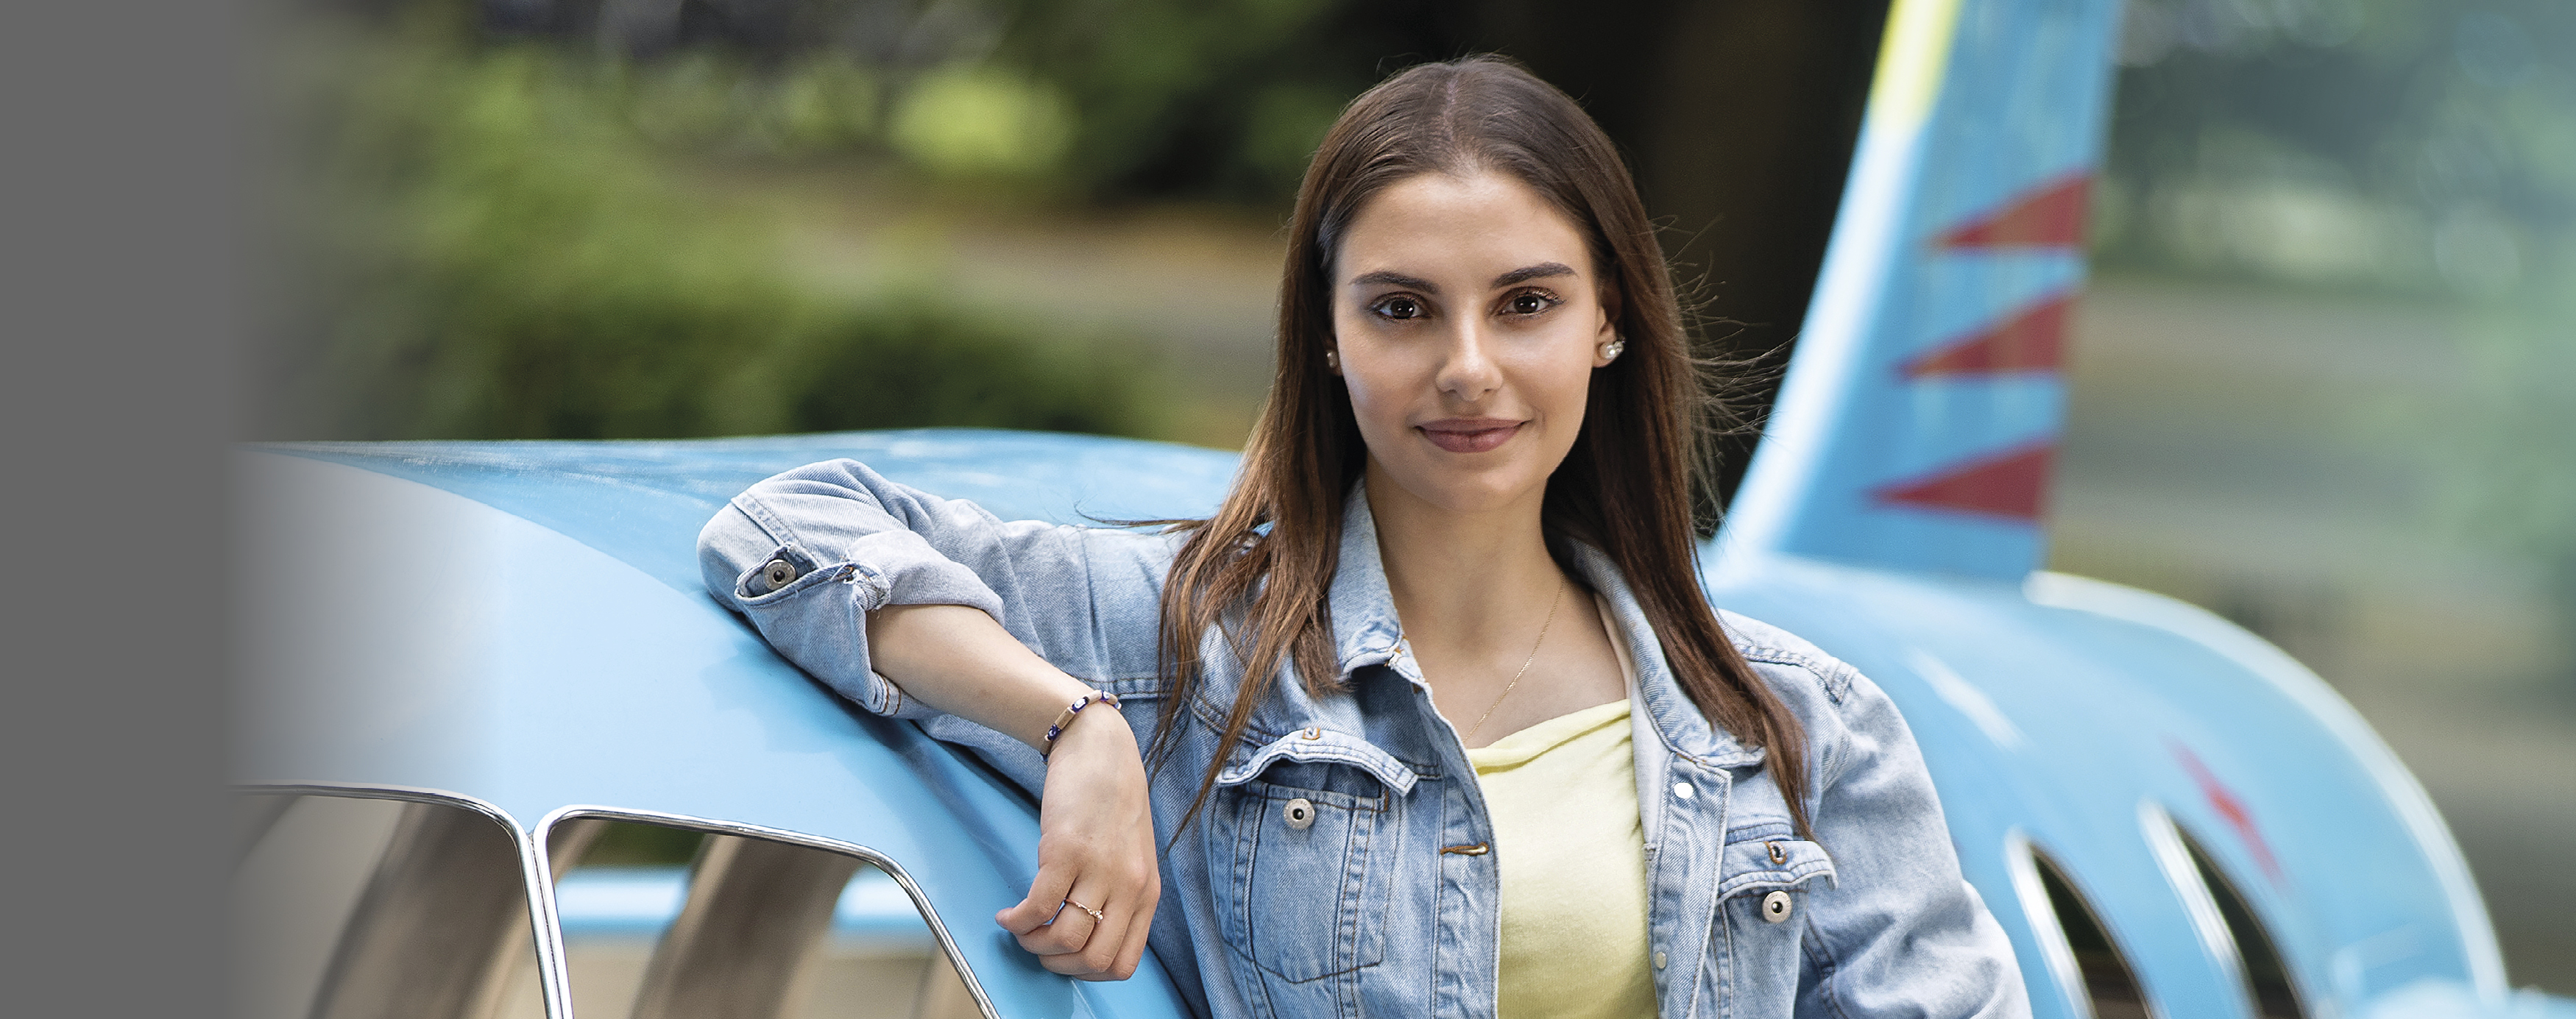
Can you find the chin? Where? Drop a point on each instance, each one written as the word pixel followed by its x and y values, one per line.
pixel 1469 490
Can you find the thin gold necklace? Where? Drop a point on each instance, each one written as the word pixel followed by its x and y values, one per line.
pixel 1525 663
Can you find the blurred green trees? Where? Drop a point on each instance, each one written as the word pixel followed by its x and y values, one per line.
pixel 489 238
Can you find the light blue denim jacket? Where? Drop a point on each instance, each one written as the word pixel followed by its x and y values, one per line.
pixel 1360 912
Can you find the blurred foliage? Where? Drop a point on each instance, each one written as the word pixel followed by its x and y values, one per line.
pixel 971 121
pixel 2508 471
pixel 2421 147
pixel 501 226
pixel 1219 99
pixel 2414 145
pixel 489 244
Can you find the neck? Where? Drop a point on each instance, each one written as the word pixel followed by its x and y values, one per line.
pixel 1462 578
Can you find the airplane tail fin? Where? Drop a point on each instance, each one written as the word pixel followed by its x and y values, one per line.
pixel 1918 421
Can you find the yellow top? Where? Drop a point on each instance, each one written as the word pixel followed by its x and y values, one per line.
pixel 1563 798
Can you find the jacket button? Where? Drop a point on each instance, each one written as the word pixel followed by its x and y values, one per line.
pixel 778 573
pixel 1775 907
pixel 1684 790
pixel 1300 813
pixel 1659 960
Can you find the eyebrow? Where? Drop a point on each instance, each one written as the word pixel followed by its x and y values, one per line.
pixel 1395 279
pixel 1526 273
pixel 1542 270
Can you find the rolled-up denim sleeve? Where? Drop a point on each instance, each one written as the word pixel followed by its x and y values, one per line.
pixel 1904 934
pixel 852 542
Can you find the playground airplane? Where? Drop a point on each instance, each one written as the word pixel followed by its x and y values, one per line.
pixel 466 663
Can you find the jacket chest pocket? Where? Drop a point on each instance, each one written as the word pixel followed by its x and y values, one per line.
pixel 1769 880
pixel 1299 824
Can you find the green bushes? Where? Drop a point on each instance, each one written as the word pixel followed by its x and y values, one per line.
pixel 490 241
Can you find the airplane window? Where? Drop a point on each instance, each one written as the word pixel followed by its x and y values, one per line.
pixel 351 906
pixel 2265 977
pixel 664 921
pixel 2108 980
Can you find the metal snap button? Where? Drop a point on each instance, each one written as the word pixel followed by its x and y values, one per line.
pixel 1775 907
pixel 1778 855
pixel 778 573
pixel 1659 960
pixel 1300 813
pixel 1684 790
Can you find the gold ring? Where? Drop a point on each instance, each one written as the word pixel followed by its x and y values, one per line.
pixel 1095 914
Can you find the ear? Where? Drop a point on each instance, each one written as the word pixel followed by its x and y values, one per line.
pixel 1606 330
pixel 1333 357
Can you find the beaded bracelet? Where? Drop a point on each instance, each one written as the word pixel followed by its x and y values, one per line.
pixel 1087 700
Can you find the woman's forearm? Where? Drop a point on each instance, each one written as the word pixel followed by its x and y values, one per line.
pixel 957 660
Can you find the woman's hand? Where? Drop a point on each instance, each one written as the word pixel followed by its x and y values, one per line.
pixel 1095 823
pixel 1095 848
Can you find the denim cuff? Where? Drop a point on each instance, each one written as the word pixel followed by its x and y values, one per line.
pixel 812 605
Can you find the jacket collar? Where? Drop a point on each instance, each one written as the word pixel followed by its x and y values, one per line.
pixel 1367 632
pixel 1365 629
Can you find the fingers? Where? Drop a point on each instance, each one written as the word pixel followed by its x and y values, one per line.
pixel 1054 925
pixel 1132 953
pixel 1126 927
pixel 1081 944
pixel 1046 895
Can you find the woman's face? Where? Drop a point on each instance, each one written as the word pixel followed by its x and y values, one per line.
pixel 1468 319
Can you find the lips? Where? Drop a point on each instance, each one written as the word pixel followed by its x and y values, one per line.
pixel 1470 435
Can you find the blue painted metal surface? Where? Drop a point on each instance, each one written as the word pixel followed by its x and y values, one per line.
pixel 522 623
pixel 2071 714
pixel 471 649
pixel 1894 515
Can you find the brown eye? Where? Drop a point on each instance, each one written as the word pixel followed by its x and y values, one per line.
pixel 1400 308
pixel 1529 302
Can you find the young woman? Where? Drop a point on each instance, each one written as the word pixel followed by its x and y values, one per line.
pixel 1431 718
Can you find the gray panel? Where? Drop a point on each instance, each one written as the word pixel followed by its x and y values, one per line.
pixel 441 924
pixel 755 911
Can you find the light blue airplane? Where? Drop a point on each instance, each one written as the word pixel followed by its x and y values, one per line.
pixel 2170 816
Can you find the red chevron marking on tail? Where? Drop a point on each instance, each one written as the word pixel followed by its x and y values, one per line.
pixel 2051 215
pixel 2012 484
pixel 2034 339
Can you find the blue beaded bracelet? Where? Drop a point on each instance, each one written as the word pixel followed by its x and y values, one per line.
pixel 1087 700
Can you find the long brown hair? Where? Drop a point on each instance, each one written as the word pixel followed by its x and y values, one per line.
pixel 1270 551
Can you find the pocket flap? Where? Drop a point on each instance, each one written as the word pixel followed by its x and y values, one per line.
pixel 1758 864
pixel 790 571
pixel 1316 744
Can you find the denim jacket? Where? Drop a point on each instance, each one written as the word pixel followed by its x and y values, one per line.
pixel 1359 910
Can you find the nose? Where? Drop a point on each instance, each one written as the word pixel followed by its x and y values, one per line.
pixel 1467 369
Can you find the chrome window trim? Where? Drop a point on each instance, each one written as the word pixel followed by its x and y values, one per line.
pixel 533 869
pixel 2213 877
pixel 2040 913
pixel 2023 857
pixel 2164 842
pixel 558 973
